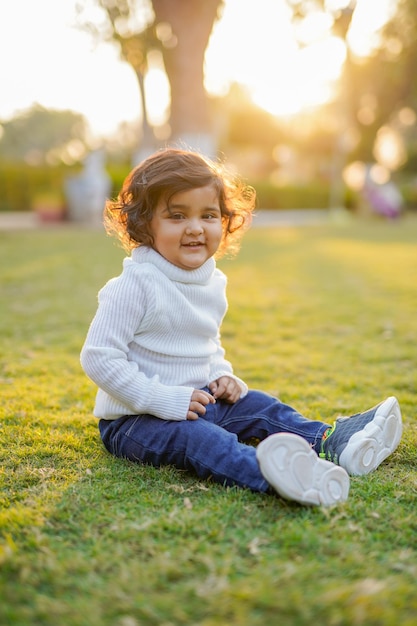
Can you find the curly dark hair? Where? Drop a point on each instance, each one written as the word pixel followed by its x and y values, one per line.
pixel 166 173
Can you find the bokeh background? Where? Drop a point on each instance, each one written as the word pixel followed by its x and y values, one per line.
pixel 313 101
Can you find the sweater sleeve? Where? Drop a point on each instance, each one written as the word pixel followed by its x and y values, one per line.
pixel 104 356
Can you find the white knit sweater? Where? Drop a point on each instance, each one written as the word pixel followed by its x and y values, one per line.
pixel 156 337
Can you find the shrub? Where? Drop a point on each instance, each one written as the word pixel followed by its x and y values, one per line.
pixel 306 196
pixel 20 183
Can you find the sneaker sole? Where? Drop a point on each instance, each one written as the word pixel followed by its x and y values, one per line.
pixel 296 473
pixel 369 447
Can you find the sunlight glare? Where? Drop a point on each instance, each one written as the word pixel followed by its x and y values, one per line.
pixel 389 149
pixel 367 109
pixel 282 78
pixel 314 27
pixel 363 34
pixel 307 80
pixel 157 96
pixel 324 58
pixel 407 117
pixel 157 90
pixel 251 46
pixel 354 175
pixel 336 5
pixel 379 174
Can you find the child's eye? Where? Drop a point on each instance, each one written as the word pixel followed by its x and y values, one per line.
pixel 176 216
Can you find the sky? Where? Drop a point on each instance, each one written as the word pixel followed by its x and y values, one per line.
pixel 45 59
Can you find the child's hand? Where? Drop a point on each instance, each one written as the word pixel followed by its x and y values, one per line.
pixel 198 403
pixel 225 388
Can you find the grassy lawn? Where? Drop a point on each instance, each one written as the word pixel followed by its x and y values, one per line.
pixel 326 318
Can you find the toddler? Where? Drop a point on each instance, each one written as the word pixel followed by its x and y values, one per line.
pixel 166 393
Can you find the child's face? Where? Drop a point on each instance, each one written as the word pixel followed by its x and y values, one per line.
pixel 189 230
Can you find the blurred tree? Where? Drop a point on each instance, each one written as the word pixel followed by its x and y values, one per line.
pixel 131 26
pixel 180 29
pixel 41 135
pixel 397 57
pixel 185 28
pixel 375 91
pixel 384 91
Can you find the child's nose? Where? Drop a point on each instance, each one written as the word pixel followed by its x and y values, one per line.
pixel 194 226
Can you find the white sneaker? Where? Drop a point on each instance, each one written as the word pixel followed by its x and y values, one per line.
pixel 361 442
pixel 296 473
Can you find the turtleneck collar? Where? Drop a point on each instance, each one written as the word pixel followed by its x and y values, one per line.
pixel 201 275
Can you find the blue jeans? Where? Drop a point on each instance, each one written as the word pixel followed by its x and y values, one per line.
pixel 212 446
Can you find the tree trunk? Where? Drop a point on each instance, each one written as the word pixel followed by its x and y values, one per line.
pixel 191 22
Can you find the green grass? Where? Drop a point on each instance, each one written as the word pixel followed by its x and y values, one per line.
pixel 325 317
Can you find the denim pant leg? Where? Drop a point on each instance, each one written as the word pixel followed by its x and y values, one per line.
pixel 201 446
pixel 259 415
